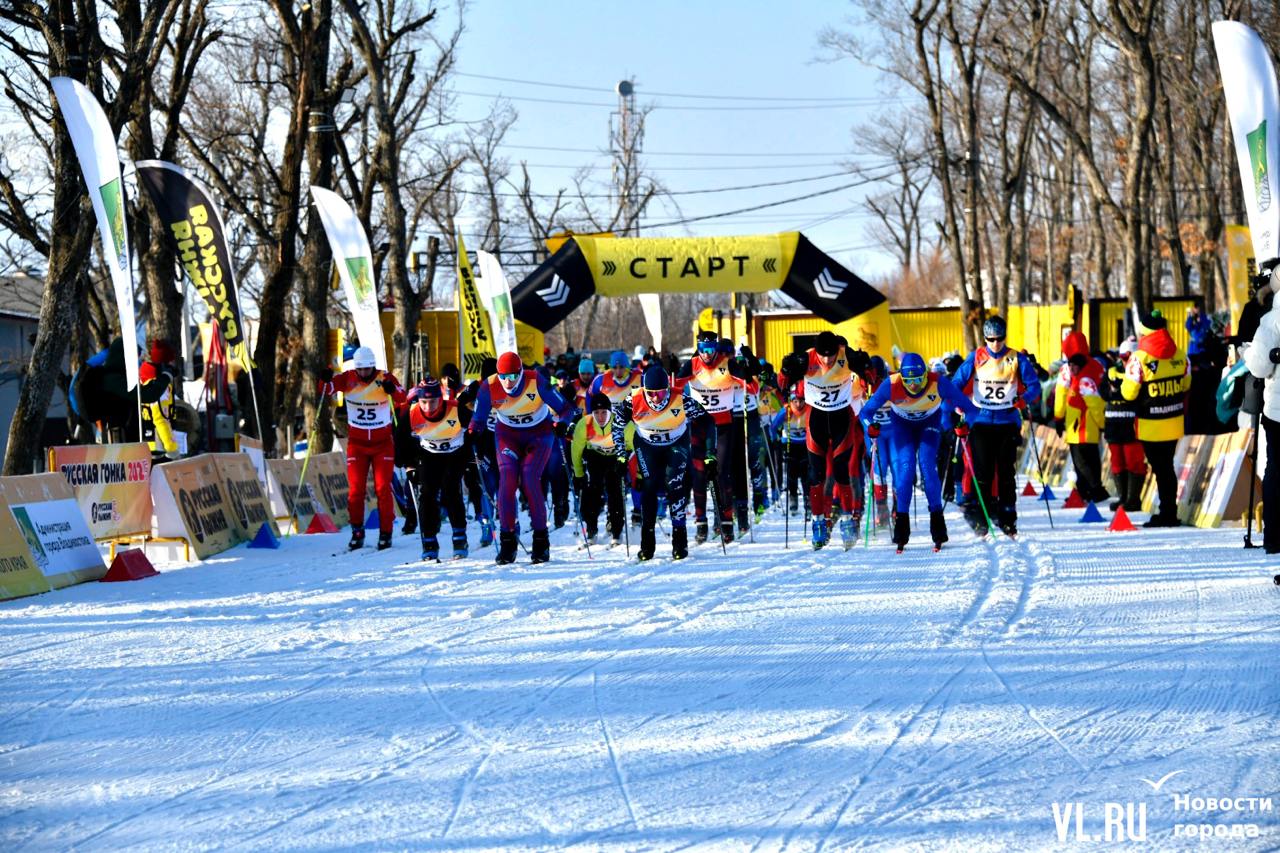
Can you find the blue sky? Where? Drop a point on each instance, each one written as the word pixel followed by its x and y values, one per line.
pixel 751 49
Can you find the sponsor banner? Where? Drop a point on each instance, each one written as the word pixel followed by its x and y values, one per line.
pixel 50 524
pixel 112 485
pixel 202 505
pixel 249 506
pixel 354 260
pixel 197 237
pixel 473 320
pixel 620 266
pixel 327 479
pixel 95 145
pixel 496 294
pixel 1240 266
pixel 1249 84
pixel 284 475
pixel 19 574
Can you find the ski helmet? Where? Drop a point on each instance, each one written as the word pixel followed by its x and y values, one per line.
pixel 994 328
pixel 509 362
pixel 363 358
pixel 619 359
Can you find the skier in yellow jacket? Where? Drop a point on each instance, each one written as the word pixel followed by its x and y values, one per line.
pixel 1157 377
pixel 597 476
pixel 1080 414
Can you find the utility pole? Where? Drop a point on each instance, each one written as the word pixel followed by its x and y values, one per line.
pixel 626 139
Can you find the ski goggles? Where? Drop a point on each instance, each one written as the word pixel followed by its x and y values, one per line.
pixel 707 346
pixel 509 378
pixel 658 398
pixel 914 379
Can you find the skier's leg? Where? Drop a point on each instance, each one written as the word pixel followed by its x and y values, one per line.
pixel 451 488
pixel 538 448
pixel 510 448
pixel 592 498
pixel 384 463
pixel 904 448
pixel 359 458
pixel 698 434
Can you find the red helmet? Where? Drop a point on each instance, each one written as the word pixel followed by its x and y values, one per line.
pixel 509 362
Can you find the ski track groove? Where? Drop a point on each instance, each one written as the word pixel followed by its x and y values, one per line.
pixel 619 776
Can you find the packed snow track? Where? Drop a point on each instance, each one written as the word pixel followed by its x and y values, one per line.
pixel 994 696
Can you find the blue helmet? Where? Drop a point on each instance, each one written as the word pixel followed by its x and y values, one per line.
pixel 994 328
pixel 913 366
pixel 619 359
pixel 586 366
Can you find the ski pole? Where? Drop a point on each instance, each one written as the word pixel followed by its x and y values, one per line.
pixel 311 442
pixel 786 482
pixel 746 447
pixel 484 487
pixel 977 486
pixel 577 499
pixel 868 503
pixel 1035 448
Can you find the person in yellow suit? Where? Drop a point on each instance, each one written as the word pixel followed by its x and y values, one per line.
pixel 1157 378
pixel 597 476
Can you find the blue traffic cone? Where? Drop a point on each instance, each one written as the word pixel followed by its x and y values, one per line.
pixel 265 538
pixel 372 521
pixel 1091 514
pixel 1047 494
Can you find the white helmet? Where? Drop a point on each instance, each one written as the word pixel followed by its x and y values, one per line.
pixel 363 358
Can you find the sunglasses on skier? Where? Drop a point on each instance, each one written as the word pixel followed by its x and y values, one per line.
pixel 995 340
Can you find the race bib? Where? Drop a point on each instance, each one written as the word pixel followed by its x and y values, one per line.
pixel 368 415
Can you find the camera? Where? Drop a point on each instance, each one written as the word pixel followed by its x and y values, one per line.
pixel 1274 355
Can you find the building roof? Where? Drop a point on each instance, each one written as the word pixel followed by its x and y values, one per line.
pixel 20 296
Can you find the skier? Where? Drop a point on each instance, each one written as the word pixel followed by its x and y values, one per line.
pixel 523 401
pixel 662 443
pixel 618 381
pixel 917 400
pixel 882 459
pixel 482 469
pixel 439 429
pixel 1157 377
pixel 370 395
pixel 824 374
pixel 755 438
pixel 712 378
pixel 1001 382
pixel 788 426
pixel 596 477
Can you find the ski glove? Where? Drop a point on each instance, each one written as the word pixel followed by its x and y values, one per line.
pixel 873 430
pixel 562 429
pixel 389 385
pixel 324 388
pixel 326 375
pixel 1059 426
pixel 962 430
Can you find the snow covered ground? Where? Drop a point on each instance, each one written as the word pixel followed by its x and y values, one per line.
pixel 770 699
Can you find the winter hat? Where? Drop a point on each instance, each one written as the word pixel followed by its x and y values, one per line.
pixel 600 401
pixel 509 362
pixel 619 359
pixel 656 379
pixel 586 365
pixel 1129 346
pixel 826 344
pixel 430 389
pixel 913 366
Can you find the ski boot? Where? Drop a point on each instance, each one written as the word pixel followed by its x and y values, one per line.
pixel 726 530
pixel 590 538
pixel 561 514
pixel 793 505
pixel 679 542
pixel 1008 522
pixel 460 549
pixel 849 531
pixel 506 548
pixel 647 545
pixel 901 530
pixel 635 517
pixel 819 531
pixel 430 549
pixel 700 531
pixel 384 540
pixel 410 526
pixel 883 516
pixel 937 529
pixel 486 533
pixel 614 540
pixel 760 510
pixel 744 520
pixel 541 550
pixel 357 539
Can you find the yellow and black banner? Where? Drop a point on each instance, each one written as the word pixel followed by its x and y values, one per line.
pixel 618 266
pixel 477 338
pixel 194 228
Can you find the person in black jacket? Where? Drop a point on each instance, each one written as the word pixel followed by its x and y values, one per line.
pixel 1128 463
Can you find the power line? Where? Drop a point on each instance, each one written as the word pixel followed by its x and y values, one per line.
pixel 788 98
pixel 602 153
pixel 704 217
pixel 783 107
pixel 570 196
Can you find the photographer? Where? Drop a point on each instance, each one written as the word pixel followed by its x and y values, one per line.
pixel 1261 357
